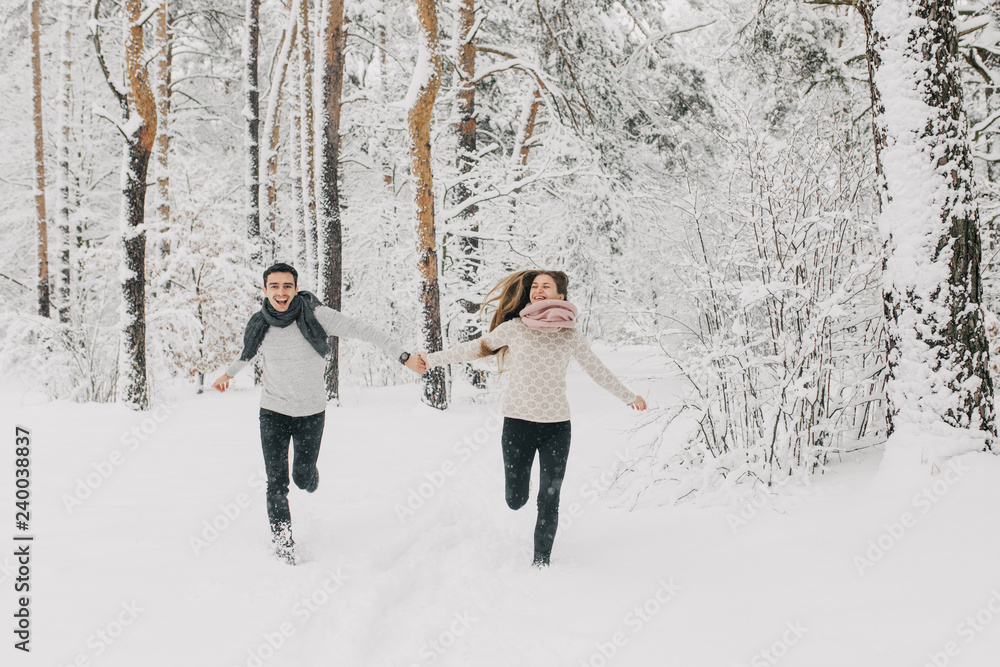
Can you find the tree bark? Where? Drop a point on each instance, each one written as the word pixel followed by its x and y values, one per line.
pixel 423 92
pixel 252 131
pixel 529 126
pixel 938 356
pixel 308 141
pixel 41 218
pixel 165 45
pixel 328 223
pixel 272 127
pixel 469 257
pixel 132 383
pixel 295 175
pixel 64 138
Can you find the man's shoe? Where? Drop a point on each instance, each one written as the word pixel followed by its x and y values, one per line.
pixel 314 482
pixel 284 545
pixel 308 484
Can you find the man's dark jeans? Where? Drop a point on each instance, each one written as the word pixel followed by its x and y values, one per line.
pixel 306 433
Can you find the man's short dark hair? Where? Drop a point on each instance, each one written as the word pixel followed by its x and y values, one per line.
pixel 281 267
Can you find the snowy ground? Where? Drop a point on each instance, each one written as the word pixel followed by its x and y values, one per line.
pixel 151 549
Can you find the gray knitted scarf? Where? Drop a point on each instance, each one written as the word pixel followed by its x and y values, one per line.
pixel 300 310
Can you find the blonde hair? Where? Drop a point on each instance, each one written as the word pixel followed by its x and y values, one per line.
pixel 508 298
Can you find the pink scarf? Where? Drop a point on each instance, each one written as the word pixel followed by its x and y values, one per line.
pixel 549 315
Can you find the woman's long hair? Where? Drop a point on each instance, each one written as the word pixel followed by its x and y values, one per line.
pixel 509 297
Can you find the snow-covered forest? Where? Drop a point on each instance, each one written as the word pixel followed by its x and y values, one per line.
pixel 780 222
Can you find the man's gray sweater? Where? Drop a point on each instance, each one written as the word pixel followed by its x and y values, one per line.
pixel 292 371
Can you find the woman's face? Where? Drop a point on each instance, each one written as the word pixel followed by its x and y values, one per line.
pixel 544 287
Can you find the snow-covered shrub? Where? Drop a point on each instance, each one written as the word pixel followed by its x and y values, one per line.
pixel 784 347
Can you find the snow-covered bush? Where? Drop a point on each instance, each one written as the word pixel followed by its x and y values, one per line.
pixel 784 346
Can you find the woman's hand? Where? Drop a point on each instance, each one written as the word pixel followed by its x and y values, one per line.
pixel 638 404
pixel 417 363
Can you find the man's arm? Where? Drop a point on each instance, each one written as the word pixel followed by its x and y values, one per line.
pixel 222 382
pixel 337 324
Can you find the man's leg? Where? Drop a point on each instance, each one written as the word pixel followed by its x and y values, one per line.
pixel 552 456
pixel 307 435
pixel 275 432
pixel 519 443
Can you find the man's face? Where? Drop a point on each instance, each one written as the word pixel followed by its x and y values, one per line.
pixel 280 290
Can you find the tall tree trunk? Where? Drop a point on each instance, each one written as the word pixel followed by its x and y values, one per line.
pixel 469 257
pixel 41 218
pixel 63 139
pixel 383 86
pixel 252 125
pixel 308 140
pixel 423 92
pixel 295 174
pixel 132 383
pixel 328 225
pixel 938 353
pixel 272 127
pixel 165 46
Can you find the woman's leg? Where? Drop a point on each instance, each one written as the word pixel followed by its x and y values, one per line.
pixel 552 455
pixel 519 441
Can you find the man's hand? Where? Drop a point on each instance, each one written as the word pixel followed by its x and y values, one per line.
pixel 222 383
pixel 417 363
pixel 638 404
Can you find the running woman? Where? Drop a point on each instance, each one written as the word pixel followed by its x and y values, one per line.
pixel 532 333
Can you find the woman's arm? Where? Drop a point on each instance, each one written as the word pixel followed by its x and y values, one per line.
pixel 470 350
pixel 600 373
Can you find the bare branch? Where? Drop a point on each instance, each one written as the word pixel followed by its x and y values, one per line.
pixel 95 37
pixel 569 65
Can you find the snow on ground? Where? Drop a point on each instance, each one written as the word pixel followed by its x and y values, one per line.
pixel 151 548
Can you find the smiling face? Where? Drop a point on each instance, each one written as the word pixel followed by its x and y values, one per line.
pixel 280 289
pixel 544 287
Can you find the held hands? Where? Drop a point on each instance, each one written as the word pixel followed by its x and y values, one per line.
pixel 222 383
pixel 638 404
pixel 417 363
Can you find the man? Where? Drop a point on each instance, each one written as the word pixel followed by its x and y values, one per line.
pixel 293 400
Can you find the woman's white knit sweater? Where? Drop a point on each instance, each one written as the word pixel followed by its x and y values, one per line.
pixel 536 369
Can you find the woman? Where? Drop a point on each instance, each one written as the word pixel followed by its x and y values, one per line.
pixel 532 333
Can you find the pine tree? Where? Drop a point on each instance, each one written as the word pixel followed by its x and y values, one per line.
pixel 423 92
pixel 41 219
pixel 251 47
pixel 329 234
pixel 932 288
pixel 138 125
